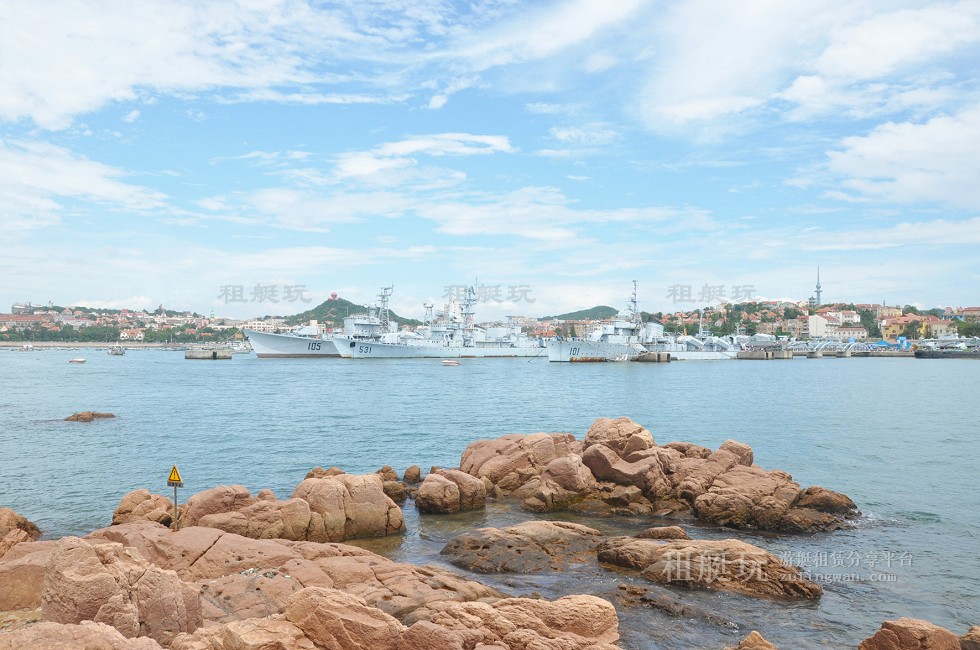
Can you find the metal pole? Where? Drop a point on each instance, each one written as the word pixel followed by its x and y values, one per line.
pixel 175 507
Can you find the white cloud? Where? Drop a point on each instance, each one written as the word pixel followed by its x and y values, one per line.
pixel 131 116
pixel 931 162
pixel 588 135
pixel 39 181
pixel 540 213
pixel 885 42
pixel 716 66
pixel 538 33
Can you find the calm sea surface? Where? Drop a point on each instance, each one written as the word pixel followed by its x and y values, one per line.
pixel 900 436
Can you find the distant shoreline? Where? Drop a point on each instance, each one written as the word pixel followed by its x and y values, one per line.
pixel 96 344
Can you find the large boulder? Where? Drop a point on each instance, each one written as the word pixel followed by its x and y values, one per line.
pixel 141 505
pixel 335 619
pixel 569 473
pixel 663 532
pixel 22 570
pixel 247 634
pixel 108 583
pixel 569 623
pixel 647 471
pixel 622 435
pixel 911 634
pixel 348 506
pixel 827 501
pixel 525 548
pixel 14 529
pixel 331 508
pixel 738 497
pixel 224 498
pixel 971 640
pixel 227 563
pixel 509 461
pixel 448 491
pixel 724 565
pixel 317 618
pixel 745 496
pixel 60 636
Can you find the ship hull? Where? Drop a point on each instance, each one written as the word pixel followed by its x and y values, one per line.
pixel 362 350
pixel 289 346
pixel 586 351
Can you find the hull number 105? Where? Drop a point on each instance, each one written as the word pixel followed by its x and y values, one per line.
pixel 314 345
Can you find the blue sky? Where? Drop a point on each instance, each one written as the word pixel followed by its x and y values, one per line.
pixel 155 152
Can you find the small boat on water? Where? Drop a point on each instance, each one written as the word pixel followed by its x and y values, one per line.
pixel 116 350
pixel 450 362
pixel 77 360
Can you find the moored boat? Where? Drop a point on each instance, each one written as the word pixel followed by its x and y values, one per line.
pixel 77 360
pixel 452 335
pixel 621 339
pixel 306 342
pixel 309 342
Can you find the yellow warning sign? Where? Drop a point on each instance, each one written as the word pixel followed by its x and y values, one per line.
pixel 174 478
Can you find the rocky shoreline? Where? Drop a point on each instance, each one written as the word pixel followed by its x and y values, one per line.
pixel 254 571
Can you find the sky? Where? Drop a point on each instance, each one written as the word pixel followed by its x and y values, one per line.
pixel 253 157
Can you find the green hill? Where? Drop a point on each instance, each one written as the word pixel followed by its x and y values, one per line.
pixel 334 312
pixel 600 312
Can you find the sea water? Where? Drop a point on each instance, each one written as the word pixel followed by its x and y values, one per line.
pixel 899 436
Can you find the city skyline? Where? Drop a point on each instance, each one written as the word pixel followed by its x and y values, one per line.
pixel 157 153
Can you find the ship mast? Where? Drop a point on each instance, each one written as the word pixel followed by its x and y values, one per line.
pixel 466 310
pixel 383 309
pixel 634 312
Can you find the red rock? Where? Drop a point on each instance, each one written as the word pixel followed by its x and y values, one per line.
pixel 741 495
pixel 201 555
pixel 413 474
pixel 387 474
pixel 622 435
pixel 726 565
pixel 335 619
pixel 569 473
pixel 646 473
pixel 525 548
pixel 59 636
pixel 88 416
pixel 110 584
pixel 911 634
pixel 141 505
pixel 511 460
pixel 248 634
pixel 753 641
pixel 663 532
pixel 22 570
pixel 971 640
pixel 319 472
pixel 224 498
pixel 570 623
pixel 741 451
pixel 462 492
pixel 824 500
pixel 347 507
pixel 11 521
pixel 438 495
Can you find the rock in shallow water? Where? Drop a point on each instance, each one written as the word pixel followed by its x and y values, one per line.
pixel 88 416
pixel 726 565
pixel 911 634
pixel 529 547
